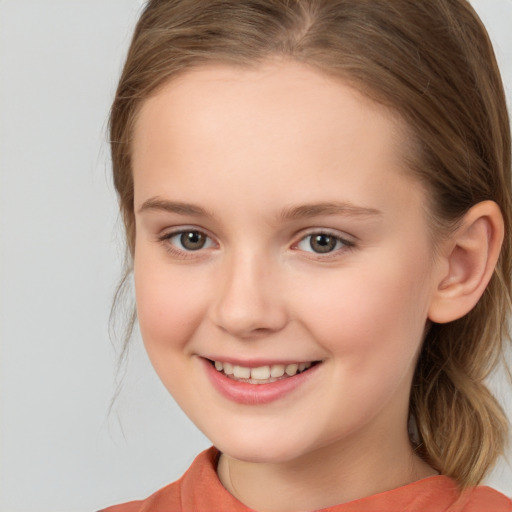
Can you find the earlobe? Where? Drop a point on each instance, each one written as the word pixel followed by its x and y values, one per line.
pixel 468 262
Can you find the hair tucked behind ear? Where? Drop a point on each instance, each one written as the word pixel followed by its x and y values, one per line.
pixel 432 62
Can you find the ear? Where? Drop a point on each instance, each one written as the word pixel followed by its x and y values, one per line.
pixel 467 262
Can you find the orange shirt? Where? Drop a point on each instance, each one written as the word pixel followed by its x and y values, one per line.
pixel 199 490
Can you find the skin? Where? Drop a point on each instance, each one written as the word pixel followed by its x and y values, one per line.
pixel 245 146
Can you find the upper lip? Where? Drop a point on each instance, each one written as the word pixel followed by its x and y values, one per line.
pixel 256 363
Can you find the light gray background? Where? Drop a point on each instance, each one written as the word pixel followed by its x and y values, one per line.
pixel 60 257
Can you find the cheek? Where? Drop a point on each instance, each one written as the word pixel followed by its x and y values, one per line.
pixel 169 306
pixel 372 329
pixel 370 311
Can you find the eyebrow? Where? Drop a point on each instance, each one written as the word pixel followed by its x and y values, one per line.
pixel 329 208
pixel 158 204
pixel 302 211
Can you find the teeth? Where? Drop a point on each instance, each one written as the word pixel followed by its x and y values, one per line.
pixel 241 372
pixel 261 373
pixel 277 370
pixel 291 369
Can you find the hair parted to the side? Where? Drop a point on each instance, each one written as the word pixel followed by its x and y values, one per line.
pixel 430 61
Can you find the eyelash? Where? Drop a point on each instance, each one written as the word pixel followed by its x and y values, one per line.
pixel 166 238
pixel 341 244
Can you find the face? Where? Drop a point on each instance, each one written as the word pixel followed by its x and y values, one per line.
pixel 277 231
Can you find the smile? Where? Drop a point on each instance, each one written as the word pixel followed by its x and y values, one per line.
pixel 262 374
pixel 262 384
pixel 248 390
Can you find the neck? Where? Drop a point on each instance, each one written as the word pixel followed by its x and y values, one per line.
pixel 331 475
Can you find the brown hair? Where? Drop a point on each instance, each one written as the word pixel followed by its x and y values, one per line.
pixel 432 62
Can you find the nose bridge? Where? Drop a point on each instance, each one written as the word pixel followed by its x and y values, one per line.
pixel 249 301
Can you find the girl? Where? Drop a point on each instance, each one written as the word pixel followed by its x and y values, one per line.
pixel 316 195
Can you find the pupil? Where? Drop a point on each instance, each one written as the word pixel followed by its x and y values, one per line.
pixel 322 243
pixel 192 240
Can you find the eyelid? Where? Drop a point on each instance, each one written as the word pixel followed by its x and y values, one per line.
pixel 348 242
pixel 170 233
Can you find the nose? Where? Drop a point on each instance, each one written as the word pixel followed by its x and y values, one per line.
pixel 249 302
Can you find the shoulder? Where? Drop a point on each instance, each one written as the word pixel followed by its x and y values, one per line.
pixel 472 499
pixel 198 489
pixel 485 499
pixel 167 498
pixel 433 494
pixel 132 506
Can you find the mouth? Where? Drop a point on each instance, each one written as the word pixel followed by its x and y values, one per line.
pixel 262 374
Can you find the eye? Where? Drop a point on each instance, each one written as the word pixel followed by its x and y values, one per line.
pixel 322 243
pixel 188 240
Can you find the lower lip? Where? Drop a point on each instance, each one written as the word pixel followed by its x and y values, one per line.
pixel 256 394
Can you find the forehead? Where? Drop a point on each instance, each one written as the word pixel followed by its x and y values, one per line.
pixel 275 94
pixel 279 126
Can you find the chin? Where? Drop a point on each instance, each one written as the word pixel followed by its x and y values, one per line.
pixel 261 449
